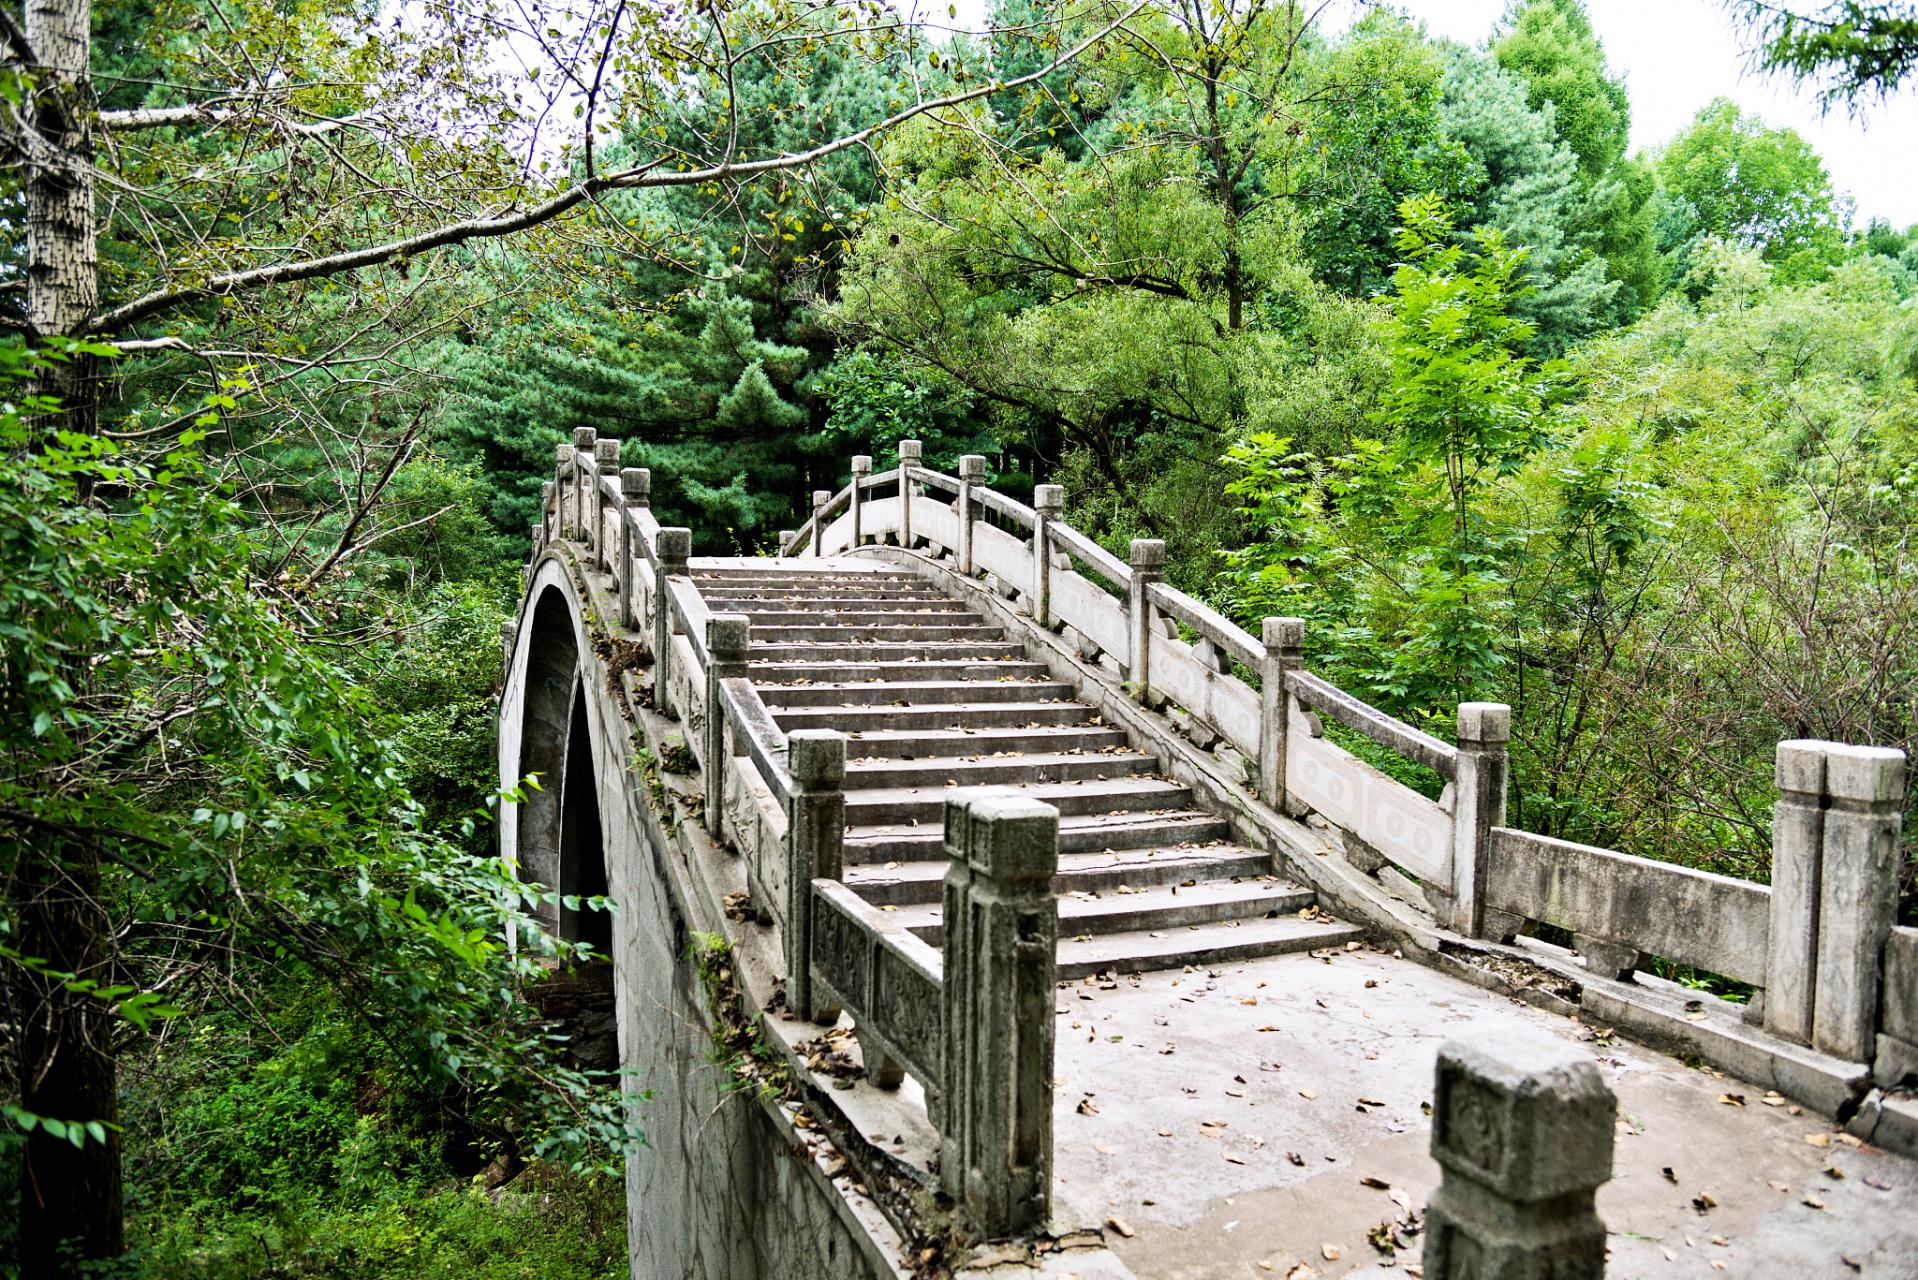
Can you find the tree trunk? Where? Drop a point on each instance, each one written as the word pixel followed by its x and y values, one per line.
pixel 70 1196
pixel 63 277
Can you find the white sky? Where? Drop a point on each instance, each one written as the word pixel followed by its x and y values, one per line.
pixel 1677 55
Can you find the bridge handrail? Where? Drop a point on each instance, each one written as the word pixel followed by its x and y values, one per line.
pixel 942 482
pixel 1414 744
pixel 752 722
pixel 1109 566
pixel 1009 507
pixel 690 609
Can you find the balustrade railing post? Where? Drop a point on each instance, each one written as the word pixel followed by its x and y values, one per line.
pixel 1048 504
pixel 820 497
pixel 786 539
pixel 583 440
pixel 635 494
pixel 548 502
pixel 861 469
pixel 909 453
pixel 1001 932
pixel 606 464
pixel 1284 653
pixel 1522 1126
pixel 1478 805
pixel 1797 849
pixel 815 846
pixel 728 638
pixel 1857 894
pixel 675 546
pixel 972 470
pixel 564 481
pixel 1148 566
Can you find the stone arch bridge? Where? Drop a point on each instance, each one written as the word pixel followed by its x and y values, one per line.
pixel 985 902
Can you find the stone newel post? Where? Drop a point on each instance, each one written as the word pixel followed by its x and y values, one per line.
pixel 909 453
pixel 1522 1126
pixel 728 638
pixel 1857 894
pixel 548 501
pixel 562 480
pixel 1148 566
pixel 820 497
pixel 1835 833
pixel 972 469
pixel 1478 805
pixel 861 472
pixel 815 843
pixel 1001 932
pixel 1798 844
pixel 1048 504
pixel 675 547
pixel 584 438
pixel 605 463
pixel 1284 653
pixel 635 494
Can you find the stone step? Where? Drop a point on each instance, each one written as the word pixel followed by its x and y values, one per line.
pixel 922 744
pixel 925 651
pixel 1078 833
pixel 864 619
pixel 877 805
pixel 1002 770
pixel 898 884
pixel 771 674
pixel 917 693
pixel 835 576
pixel 1196 945
pixel 861 638
pixel 1160 908
pixel 851 718
pixel 746 601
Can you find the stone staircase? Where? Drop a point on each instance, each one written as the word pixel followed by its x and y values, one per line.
pixel 934 697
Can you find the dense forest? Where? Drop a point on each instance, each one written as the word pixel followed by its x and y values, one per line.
pixel 1388 332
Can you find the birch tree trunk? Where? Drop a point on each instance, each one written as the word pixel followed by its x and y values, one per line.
pixel 69 1195
pixel 63 276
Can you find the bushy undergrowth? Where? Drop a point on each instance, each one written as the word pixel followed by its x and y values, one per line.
pixel 295 1145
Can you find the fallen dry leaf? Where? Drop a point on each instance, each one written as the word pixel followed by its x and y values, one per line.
pixel 1252 1000
pixel 1779 1186
pixel 1295 1158
pixel 1304 1271
pixel 1121 1226
pixel 1371 1102
pixel 1703 1202
pixel 1401 1197
pixel 1233 1159
pixel 1086 1108
pixel 1818 1139
pixel 1378 1184
pixel 1104 1151
pixel 1165 1133
pixel 1850 1141
pixel 1815 1204
pixel 1876 1185
pixel 1696 1017
pixel 1307 1094
pixel 1851 1262
pixel 1331 1252
pixel 1669 1255
pixel 1669 1175
pixel 1732 1099
pixel 1235 1093
pixel 1268 1028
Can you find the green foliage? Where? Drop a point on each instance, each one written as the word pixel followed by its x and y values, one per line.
pixel 166 714
pixel 1551 43
pixel 1862 50
pixel 1756 187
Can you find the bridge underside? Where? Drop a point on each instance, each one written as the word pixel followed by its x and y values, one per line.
pixel 1247 1006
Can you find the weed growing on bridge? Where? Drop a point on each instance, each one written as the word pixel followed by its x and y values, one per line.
pixel 751 1064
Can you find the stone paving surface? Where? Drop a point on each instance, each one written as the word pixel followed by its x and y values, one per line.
pixel 1227 1118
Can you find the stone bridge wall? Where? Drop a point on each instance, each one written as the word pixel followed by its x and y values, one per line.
pixel 726 1187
